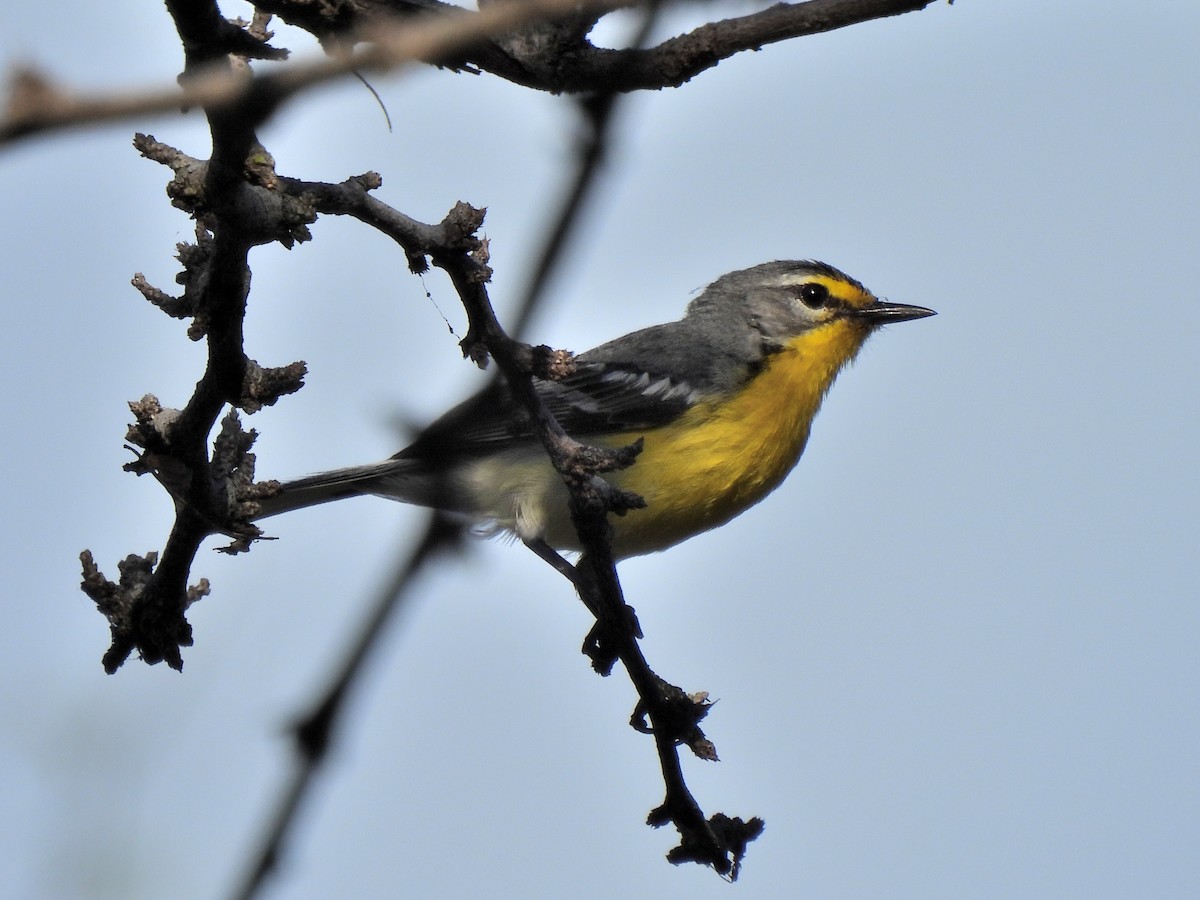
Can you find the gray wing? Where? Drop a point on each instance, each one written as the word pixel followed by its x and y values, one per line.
pixel 633 383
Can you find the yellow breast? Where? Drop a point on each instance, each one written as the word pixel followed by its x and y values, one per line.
pixel 722 457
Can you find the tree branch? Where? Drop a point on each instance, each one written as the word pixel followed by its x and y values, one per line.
pixel 239 202
pixel 36 104
pixel 315 732
pixel 556 56
pixel 540 44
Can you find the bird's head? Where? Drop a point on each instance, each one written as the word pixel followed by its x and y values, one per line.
pixel 784 301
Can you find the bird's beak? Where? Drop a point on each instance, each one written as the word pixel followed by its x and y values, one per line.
pixel 883 313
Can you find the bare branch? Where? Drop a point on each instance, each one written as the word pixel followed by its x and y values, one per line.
pixel 36 104
pixel 316 731
pixel 521 53
pixel 239 202
pixel 555 55
pixel 673 715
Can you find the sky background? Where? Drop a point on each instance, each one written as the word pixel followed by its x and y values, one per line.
pixel 955 653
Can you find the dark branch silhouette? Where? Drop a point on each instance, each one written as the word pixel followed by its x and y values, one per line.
pixel 553 54
pixel 239 202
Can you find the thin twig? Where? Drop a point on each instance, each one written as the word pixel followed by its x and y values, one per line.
pixel 318 729
pixel 36 104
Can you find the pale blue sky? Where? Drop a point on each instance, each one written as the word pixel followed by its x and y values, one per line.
pixel 955 654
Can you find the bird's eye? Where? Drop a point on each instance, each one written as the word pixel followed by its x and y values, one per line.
pixel 813 295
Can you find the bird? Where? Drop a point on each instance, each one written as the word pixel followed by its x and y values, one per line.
pixel 723 400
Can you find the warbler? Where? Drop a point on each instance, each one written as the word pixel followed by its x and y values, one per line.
pixel 723 399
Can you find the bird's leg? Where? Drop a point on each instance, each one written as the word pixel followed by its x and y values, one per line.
pixel 552 556
pixel 601 642
pixel 616 630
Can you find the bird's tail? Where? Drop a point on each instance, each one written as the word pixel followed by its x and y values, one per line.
pixel 400 479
